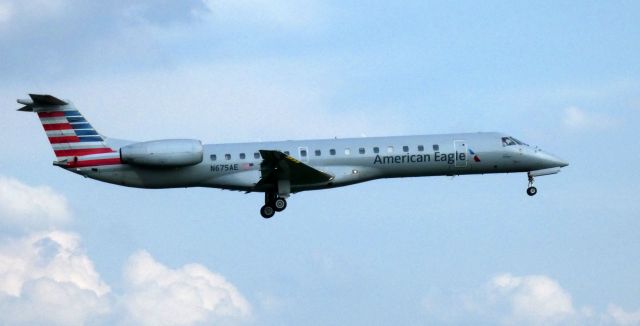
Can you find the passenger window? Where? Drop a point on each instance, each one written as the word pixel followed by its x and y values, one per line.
pixel 318 152
pixel 347 151
pixel 242 156
pixel 227 156
pixel 436 147
pixel 332 151
pixel 361 150
pixel 213 157
pixel 303 152
pixel 420 148
pixel 405 148
pixel 376 150
pixel 256 155
pixel 390 149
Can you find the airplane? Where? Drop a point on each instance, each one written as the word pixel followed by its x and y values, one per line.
pixel 278 169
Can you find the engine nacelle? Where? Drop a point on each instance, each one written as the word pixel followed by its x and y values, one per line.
pixel 169 153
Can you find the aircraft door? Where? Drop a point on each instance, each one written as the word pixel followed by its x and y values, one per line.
pixel 462 153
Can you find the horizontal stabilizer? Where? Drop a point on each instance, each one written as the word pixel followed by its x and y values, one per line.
pixel 46 100
pixel 37 100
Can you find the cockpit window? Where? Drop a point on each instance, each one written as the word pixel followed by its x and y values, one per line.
pixel 510 141
pixel 519 142
pixel 507 141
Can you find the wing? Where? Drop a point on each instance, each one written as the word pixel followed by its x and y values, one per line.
pixel 277 165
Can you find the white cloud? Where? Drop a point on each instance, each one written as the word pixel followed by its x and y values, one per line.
pixel 520 300
pixel 47 278
pixel 272 304
pixel 45 7
pixel 6 12
pixel 31 206
pixel 535 299
pixel 33 8
pixel 217 103
pixel 622 317
pixel 579 119
pixel 282 13
pixel 158 295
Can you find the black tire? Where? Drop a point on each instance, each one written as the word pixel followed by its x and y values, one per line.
pixel 532 191
pixel 279 204
pixel 267 211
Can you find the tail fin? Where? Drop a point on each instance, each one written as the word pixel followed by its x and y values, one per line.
pixel 69 133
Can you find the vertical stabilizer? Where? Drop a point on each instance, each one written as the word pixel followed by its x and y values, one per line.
pixel 70 134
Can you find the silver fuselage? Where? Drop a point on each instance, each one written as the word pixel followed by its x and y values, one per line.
pixel 349 161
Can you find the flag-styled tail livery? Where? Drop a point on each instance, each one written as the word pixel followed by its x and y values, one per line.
pixel 277 168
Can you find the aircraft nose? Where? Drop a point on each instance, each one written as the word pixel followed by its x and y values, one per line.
pixel 552 160
pixel 562 163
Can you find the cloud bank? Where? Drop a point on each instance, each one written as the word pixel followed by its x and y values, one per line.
pixel 532 299
pixel 578 119
pixel 279 13
pixel 34 207
pixel 508 299
pixel 46 277
pixel 191 294
pixel 621 317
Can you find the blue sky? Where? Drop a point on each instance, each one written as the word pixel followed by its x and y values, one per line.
pixel 563 75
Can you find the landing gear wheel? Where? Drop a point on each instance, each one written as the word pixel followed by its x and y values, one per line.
pixel 267 211
pixel 279 204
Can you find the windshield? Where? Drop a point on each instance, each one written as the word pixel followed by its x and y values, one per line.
pixel 510 141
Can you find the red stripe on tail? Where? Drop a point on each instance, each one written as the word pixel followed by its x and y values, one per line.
pixel 64 139
pixel 50 114
pixel 57 126
pixel 83 151
pixel 98 162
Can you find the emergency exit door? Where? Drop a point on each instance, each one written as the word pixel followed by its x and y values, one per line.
pixel 461 152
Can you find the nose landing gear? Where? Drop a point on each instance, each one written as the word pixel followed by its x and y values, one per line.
pixel 531 190
pixel 272 204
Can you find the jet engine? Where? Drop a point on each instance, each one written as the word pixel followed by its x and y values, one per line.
pixel 168 153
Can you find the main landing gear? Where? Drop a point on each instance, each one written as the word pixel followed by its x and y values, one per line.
pixel 272 204
pixel 531 190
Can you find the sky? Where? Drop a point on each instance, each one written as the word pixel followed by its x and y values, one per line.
pixel 562 75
